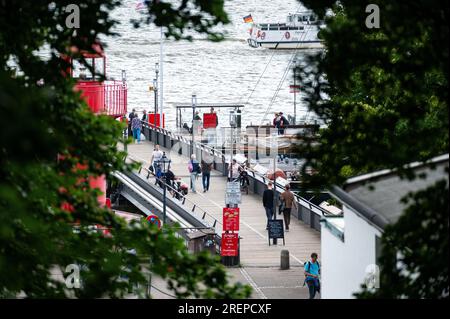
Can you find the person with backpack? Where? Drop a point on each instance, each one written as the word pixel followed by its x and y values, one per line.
pixel 194 170
pixel 288 202
pixel 312 273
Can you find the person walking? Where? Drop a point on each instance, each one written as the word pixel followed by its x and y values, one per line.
pixel 145 116
pixel 268 203
pixel 130 119
pixel 233 171
pixel 312 273
pixel 206 175
pixel 156 157
pixel 288 199
pixel 194 170
pixel 283 123
pixel 217 117
pixel 136 126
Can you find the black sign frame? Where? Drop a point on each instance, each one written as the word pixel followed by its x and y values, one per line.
pixel 272 233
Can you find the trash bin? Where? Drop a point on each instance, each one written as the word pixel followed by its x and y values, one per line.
pixel 231 261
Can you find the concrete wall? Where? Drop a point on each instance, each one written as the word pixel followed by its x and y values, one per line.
pixel 344 263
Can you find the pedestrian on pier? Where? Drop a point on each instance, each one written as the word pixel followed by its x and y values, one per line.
pixel 312 273
pixel 268 203
pixel 194 170
pixel 156 157
pixel 288 199
pixel 130 119
pixel 283 123
pixel 136 125
pixel 217 117
pixel 145 116
pixel 233 171
pixel 206 175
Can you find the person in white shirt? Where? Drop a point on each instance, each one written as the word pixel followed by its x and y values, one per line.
pixel 233 171
pixel 156 156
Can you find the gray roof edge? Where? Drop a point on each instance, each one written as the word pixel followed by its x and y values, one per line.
pixel 386 172
pixel 366 212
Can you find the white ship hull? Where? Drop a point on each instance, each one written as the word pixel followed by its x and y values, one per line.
pixel 299 32
pixel 286 45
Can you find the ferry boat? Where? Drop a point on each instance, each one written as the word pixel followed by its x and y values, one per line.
pixel 299 32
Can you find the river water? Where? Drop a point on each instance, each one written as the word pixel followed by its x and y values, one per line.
pixel 223 72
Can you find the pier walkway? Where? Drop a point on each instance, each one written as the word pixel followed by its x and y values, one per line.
pixel 259 261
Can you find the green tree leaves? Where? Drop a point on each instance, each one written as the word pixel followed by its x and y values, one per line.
pixel 47 131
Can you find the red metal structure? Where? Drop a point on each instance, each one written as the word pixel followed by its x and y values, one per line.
pixel 103 97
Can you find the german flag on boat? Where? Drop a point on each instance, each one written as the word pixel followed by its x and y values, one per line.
pixel 248 19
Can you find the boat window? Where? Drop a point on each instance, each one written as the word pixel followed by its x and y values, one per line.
pixel 273 27
pixel 312 18
pixel 305 18
pixel 296 28
pixel 284 28
pixel 290 18
pixel 299 18
pixel 263 25
pixel 264 28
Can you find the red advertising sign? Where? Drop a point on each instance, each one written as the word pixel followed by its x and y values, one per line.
pixel 154 119
pixel 231 219
pixel 209 120
pixel 229 244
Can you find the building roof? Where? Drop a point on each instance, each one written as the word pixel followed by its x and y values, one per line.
pixel 382 205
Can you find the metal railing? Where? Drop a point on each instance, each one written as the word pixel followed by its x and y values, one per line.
pixel 200 213
pixel 107 97
pixel 308 212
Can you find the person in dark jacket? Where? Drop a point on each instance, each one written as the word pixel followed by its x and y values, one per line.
pixel 268 203
pixel 145 117
pixel 206 174
pixel 130 119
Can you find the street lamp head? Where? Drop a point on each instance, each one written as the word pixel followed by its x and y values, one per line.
pixel 165 163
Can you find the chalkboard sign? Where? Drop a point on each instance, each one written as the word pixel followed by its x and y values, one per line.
pixel 276 229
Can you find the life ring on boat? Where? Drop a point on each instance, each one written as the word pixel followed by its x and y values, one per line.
pixel 287 35
pixel 263 35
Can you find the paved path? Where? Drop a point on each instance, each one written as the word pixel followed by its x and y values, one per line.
pixel 255 252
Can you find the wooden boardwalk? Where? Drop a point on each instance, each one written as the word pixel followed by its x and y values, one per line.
pixel 255 251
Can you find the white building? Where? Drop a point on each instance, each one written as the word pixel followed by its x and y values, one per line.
pixel 350 244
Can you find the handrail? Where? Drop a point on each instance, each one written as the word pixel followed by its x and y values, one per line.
pixel 215 223
pixel 299 199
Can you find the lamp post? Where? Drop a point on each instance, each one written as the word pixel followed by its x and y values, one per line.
pixel 295 94
pixel 194 126
pixel 165 166
pixel 155 90
pixel 155 86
